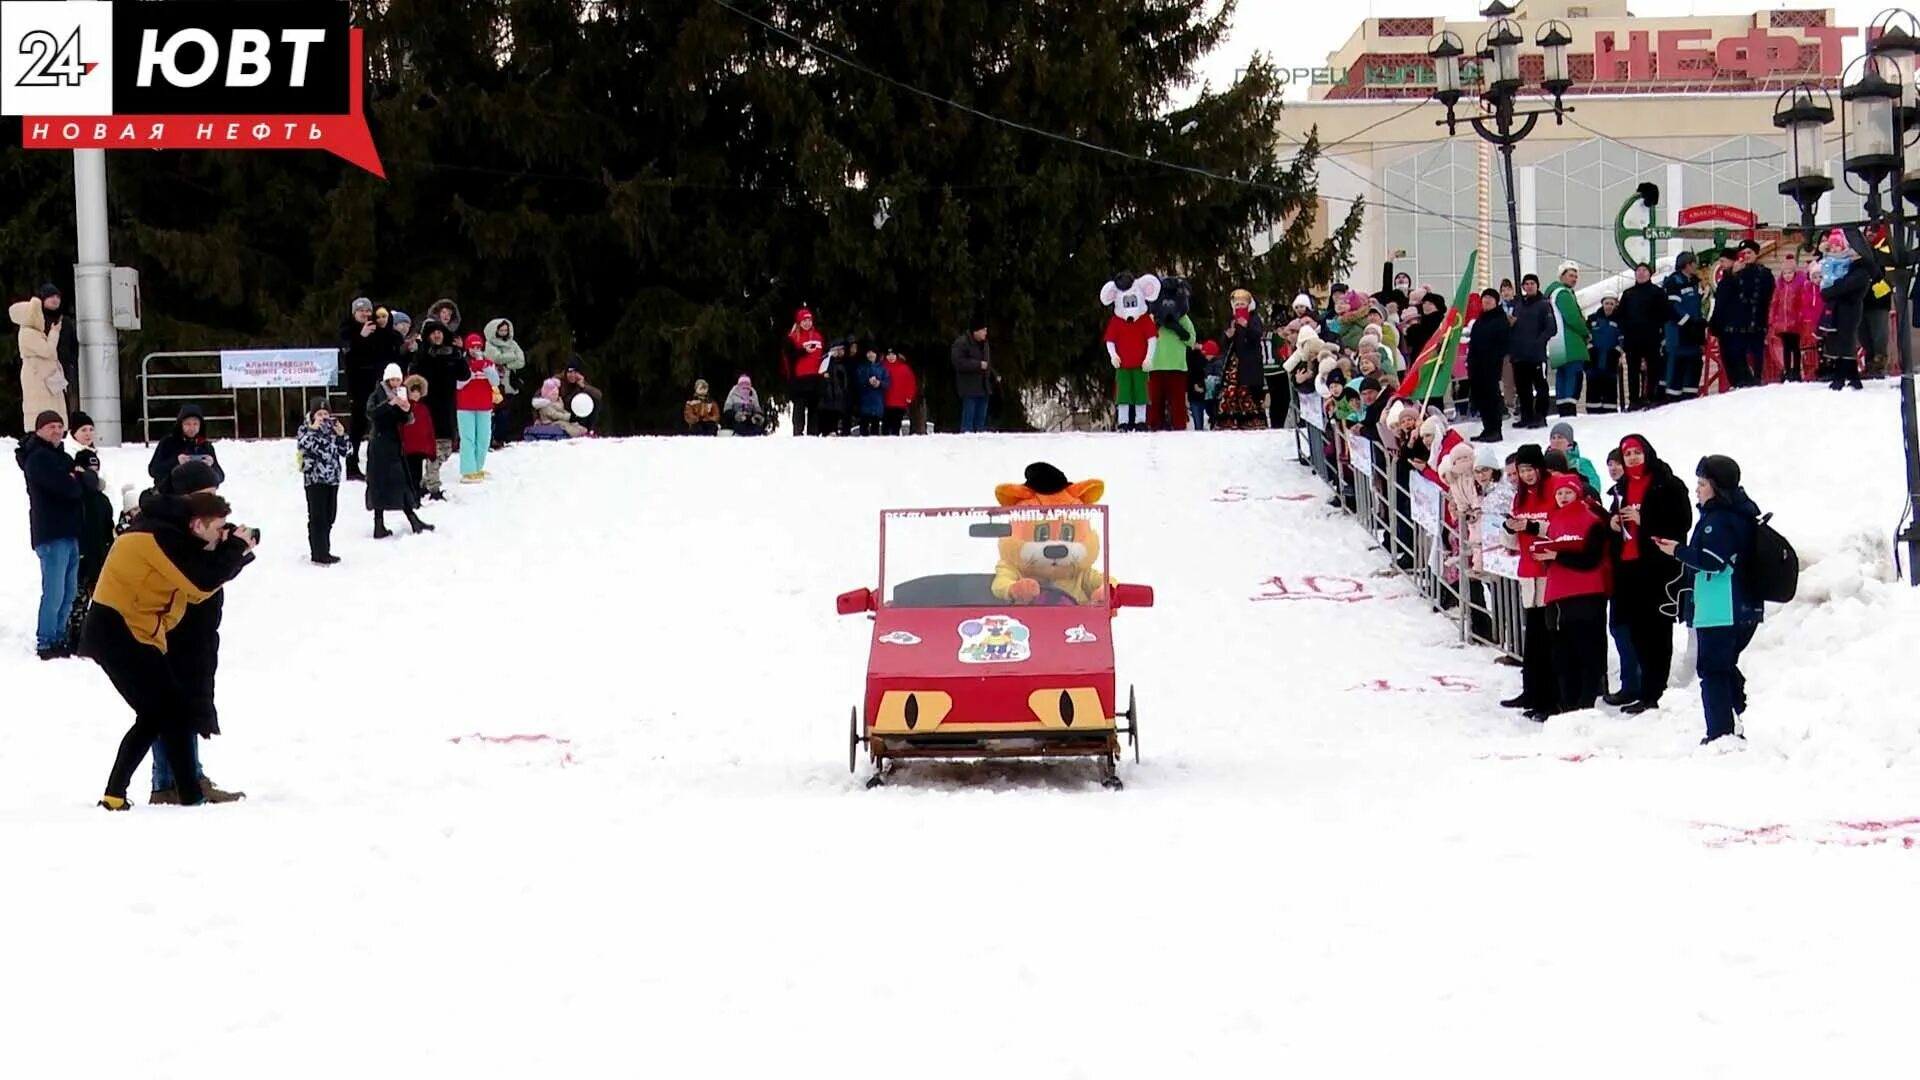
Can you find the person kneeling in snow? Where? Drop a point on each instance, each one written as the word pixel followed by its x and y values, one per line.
pixel 742 412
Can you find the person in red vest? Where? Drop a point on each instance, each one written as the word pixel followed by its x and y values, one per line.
pixel 1574 551
pixel 1539 691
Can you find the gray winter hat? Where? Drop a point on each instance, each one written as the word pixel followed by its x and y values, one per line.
pixel 1562 430
pixel 362 303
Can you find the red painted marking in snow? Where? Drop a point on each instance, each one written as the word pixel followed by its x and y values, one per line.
pixel 1572 759
pixel 512 739
pixel 1851 834
pixel 1344 590
pixel 1450 683
pixel 1238 494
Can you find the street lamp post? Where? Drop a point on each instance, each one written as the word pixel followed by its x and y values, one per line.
pixel 1880 146
pixel 1500 121
pixel 1893 49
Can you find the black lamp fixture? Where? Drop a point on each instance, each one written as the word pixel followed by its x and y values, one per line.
pixel 1803 118
pixel 1498 119
pixel 1553 40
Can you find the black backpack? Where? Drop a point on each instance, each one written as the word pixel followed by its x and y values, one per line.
pixel 1773 568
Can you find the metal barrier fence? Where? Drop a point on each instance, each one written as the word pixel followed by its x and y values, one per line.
pixel 1408 520
pixel 174 379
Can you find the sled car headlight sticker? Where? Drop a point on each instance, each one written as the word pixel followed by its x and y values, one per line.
pixel 911 712
pixel 1080 635
pixel 899 637
pixel 1070 709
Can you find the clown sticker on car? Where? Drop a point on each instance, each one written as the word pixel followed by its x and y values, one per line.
pixel 994 639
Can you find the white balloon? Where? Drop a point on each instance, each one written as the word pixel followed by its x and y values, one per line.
pixel 582 405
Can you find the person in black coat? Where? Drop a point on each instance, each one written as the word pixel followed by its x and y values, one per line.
pixel 1486 360
pixel 836 383
pixel 1653 505
pixel 440 360
pixel 55 517
pixel 1740 311
pixel 1243 380
pixel 186 442
pixel 388 485
pixel 1643 315
pixel 1845 296
pixel 1533 327
pixel 361 361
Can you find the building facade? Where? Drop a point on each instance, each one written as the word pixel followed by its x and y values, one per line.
pixel 1685 103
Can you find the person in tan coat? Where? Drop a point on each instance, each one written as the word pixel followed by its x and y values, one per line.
pixel 43 385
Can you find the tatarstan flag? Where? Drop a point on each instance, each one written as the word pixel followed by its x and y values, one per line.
pixel 1432 371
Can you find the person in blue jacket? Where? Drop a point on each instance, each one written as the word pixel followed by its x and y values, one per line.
pixel 1603 370
pixel 870 381
pixel 1687 333
pixel 1723 612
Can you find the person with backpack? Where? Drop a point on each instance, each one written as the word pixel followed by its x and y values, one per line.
pixel 1729 579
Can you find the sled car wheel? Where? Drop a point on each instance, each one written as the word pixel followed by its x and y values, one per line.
pixel 1132 729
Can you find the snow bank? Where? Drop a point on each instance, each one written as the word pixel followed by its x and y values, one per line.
pixel 1335 834
pixel 1830 467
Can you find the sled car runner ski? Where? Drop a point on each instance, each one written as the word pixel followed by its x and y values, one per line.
pixel 993 637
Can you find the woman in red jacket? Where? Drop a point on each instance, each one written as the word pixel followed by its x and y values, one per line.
pixel 803 350
pixel 1539 691
pixel 902 388
pixel 1574 552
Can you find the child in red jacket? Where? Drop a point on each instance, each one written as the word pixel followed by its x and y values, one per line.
pixel 1574 551
pixel 417 441
pixel 475 397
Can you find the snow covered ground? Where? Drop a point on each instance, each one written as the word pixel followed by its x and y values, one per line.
pixel 1313 872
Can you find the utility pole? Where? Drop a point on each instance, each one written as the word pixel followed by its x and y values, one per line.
pixel 93 288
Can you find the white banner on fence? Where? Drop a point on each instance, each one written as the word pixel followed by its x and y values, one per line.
pixel 1362 454
pixel 253 368
pixel 1313 412
pixel 1426 497
pixel 1495 557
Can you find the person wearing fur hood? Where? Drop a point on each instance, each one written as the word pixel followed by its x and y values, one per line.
pixel 505 352
pixel 43 383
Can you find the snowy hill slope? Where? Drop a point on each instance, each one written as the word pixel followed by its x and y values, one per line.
pixel 1336 834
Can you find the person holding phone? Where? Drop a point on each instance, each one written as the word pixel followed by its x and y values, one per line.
pixel 186 442
pixel 1723 612
pixel 323 444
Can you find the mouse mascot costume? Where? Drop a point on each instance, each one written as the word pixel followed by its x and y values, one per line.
pixel 1167 367
pixel 1130 339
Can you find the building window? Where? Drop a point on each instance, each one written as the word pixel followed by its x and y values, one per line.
pixel 1431 203
pixel 1576 11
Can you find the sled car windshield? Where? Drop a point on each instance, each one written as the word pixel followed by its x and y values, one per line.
pixel 1056 555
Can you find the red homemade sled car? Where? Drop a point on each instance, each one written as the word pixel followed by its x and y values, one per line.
pixel 958 670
